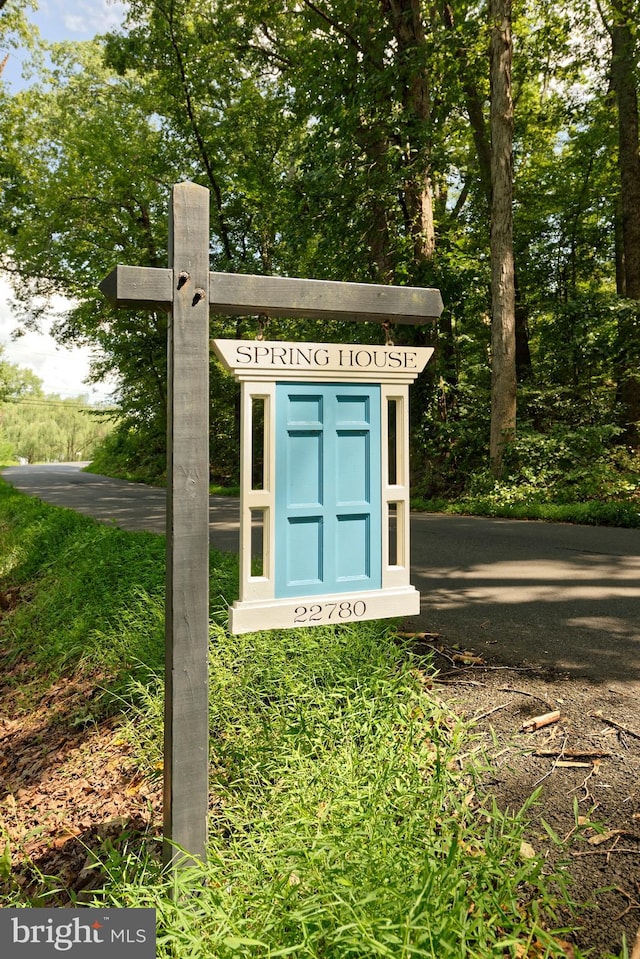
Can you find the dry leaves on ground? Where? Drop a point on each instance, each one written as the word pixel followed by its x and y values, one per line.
pixel 68 785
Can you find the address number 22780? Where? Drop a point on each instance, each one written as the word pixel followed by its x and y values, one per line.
pixel 328 612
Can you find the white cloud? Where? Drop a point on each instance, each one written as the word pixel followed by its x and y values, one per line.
pixel 80 20
pixel 94 16
pixel 62 370
pixel 89 17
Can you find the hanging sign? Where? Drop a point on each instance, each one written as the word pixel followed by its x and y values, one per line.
pixel 324 495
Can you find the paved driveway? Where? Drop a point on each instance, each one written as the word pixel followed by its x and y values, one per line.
pixel 567 597
pixel 552 593
pixel 132 506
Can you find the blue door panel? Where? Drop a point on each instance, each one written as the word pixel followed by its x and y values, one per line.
pixel 304 469
pixel 304 552
pixel 353 550
pixel 328 488
pixel 353 411
pixel 305 410
pixel 353 468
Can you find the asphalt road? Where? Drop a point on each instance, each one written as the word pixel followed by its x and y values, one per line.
pixel 561 596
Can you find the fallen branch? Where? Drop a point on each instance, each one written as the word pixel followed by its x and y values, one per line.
pixel 632 904
pixel 636 947
pixel 551 771
pixel 616 725
pixel 432 641
pixel 539 721
pixel 457 682
pixel 485 668
pixel 583 784
pixel 468 659
pixel 488 712
pixel 441 652
pixel 522 692
pixel 426 637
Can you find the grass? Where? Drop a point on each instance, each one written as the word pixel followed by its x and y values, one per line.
pixel 216 490
pixel 341 824
pixel 591 513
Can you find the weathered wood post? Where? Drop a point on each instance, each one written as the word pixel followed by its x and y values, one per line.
pixel 183 289
pixel 186 746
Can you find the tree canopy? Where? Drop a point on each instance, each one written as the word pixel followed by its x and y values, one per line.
pixel 350 140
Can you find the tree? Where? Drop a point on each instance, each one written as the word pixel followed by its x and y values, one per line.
pixel 79 195
pixel 340 139
pixel 42 428
pixel 622 28
pixel 17 381
pixel 503 367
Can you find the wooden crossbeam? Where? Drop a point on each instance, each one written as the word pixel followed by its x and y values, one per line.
pixel 239 294
pixel 140 287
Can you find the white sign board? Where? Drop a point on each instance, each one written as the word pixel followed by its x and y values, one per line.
pixel 328 505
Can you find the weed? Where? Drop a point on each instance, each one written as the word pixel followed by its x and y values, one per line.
pixel 5 859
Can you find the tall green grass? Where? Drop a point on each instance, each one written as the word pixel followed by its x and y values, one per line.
pixel 341 824
pixel 591 513
pixel 93 595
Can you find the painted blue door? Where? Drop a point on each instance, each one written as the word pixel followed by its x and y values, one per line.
pixel 328 489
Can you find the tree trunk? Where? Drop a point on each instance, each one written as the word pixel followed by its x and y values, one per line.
pixel 476 114
pixel 623 67
pixel 621 283
pixel 474 106
pixel 406 20
pixel 523 353
pixel 503 351
pixel 380 246
pixel 623 75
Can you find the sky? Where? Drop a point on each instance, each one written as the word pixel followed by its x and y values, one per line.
pixel 62 371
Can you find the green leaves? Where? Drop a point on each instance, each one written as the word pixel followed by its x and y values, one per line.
pixel 341 140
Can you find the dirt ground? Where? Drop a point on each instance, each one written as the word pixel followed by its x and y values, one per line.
pixel 586 764
pixel 70 793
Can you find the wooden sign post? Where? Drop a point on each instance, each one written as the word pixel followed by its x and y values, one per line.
pixel 183 290
pixel 189 293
